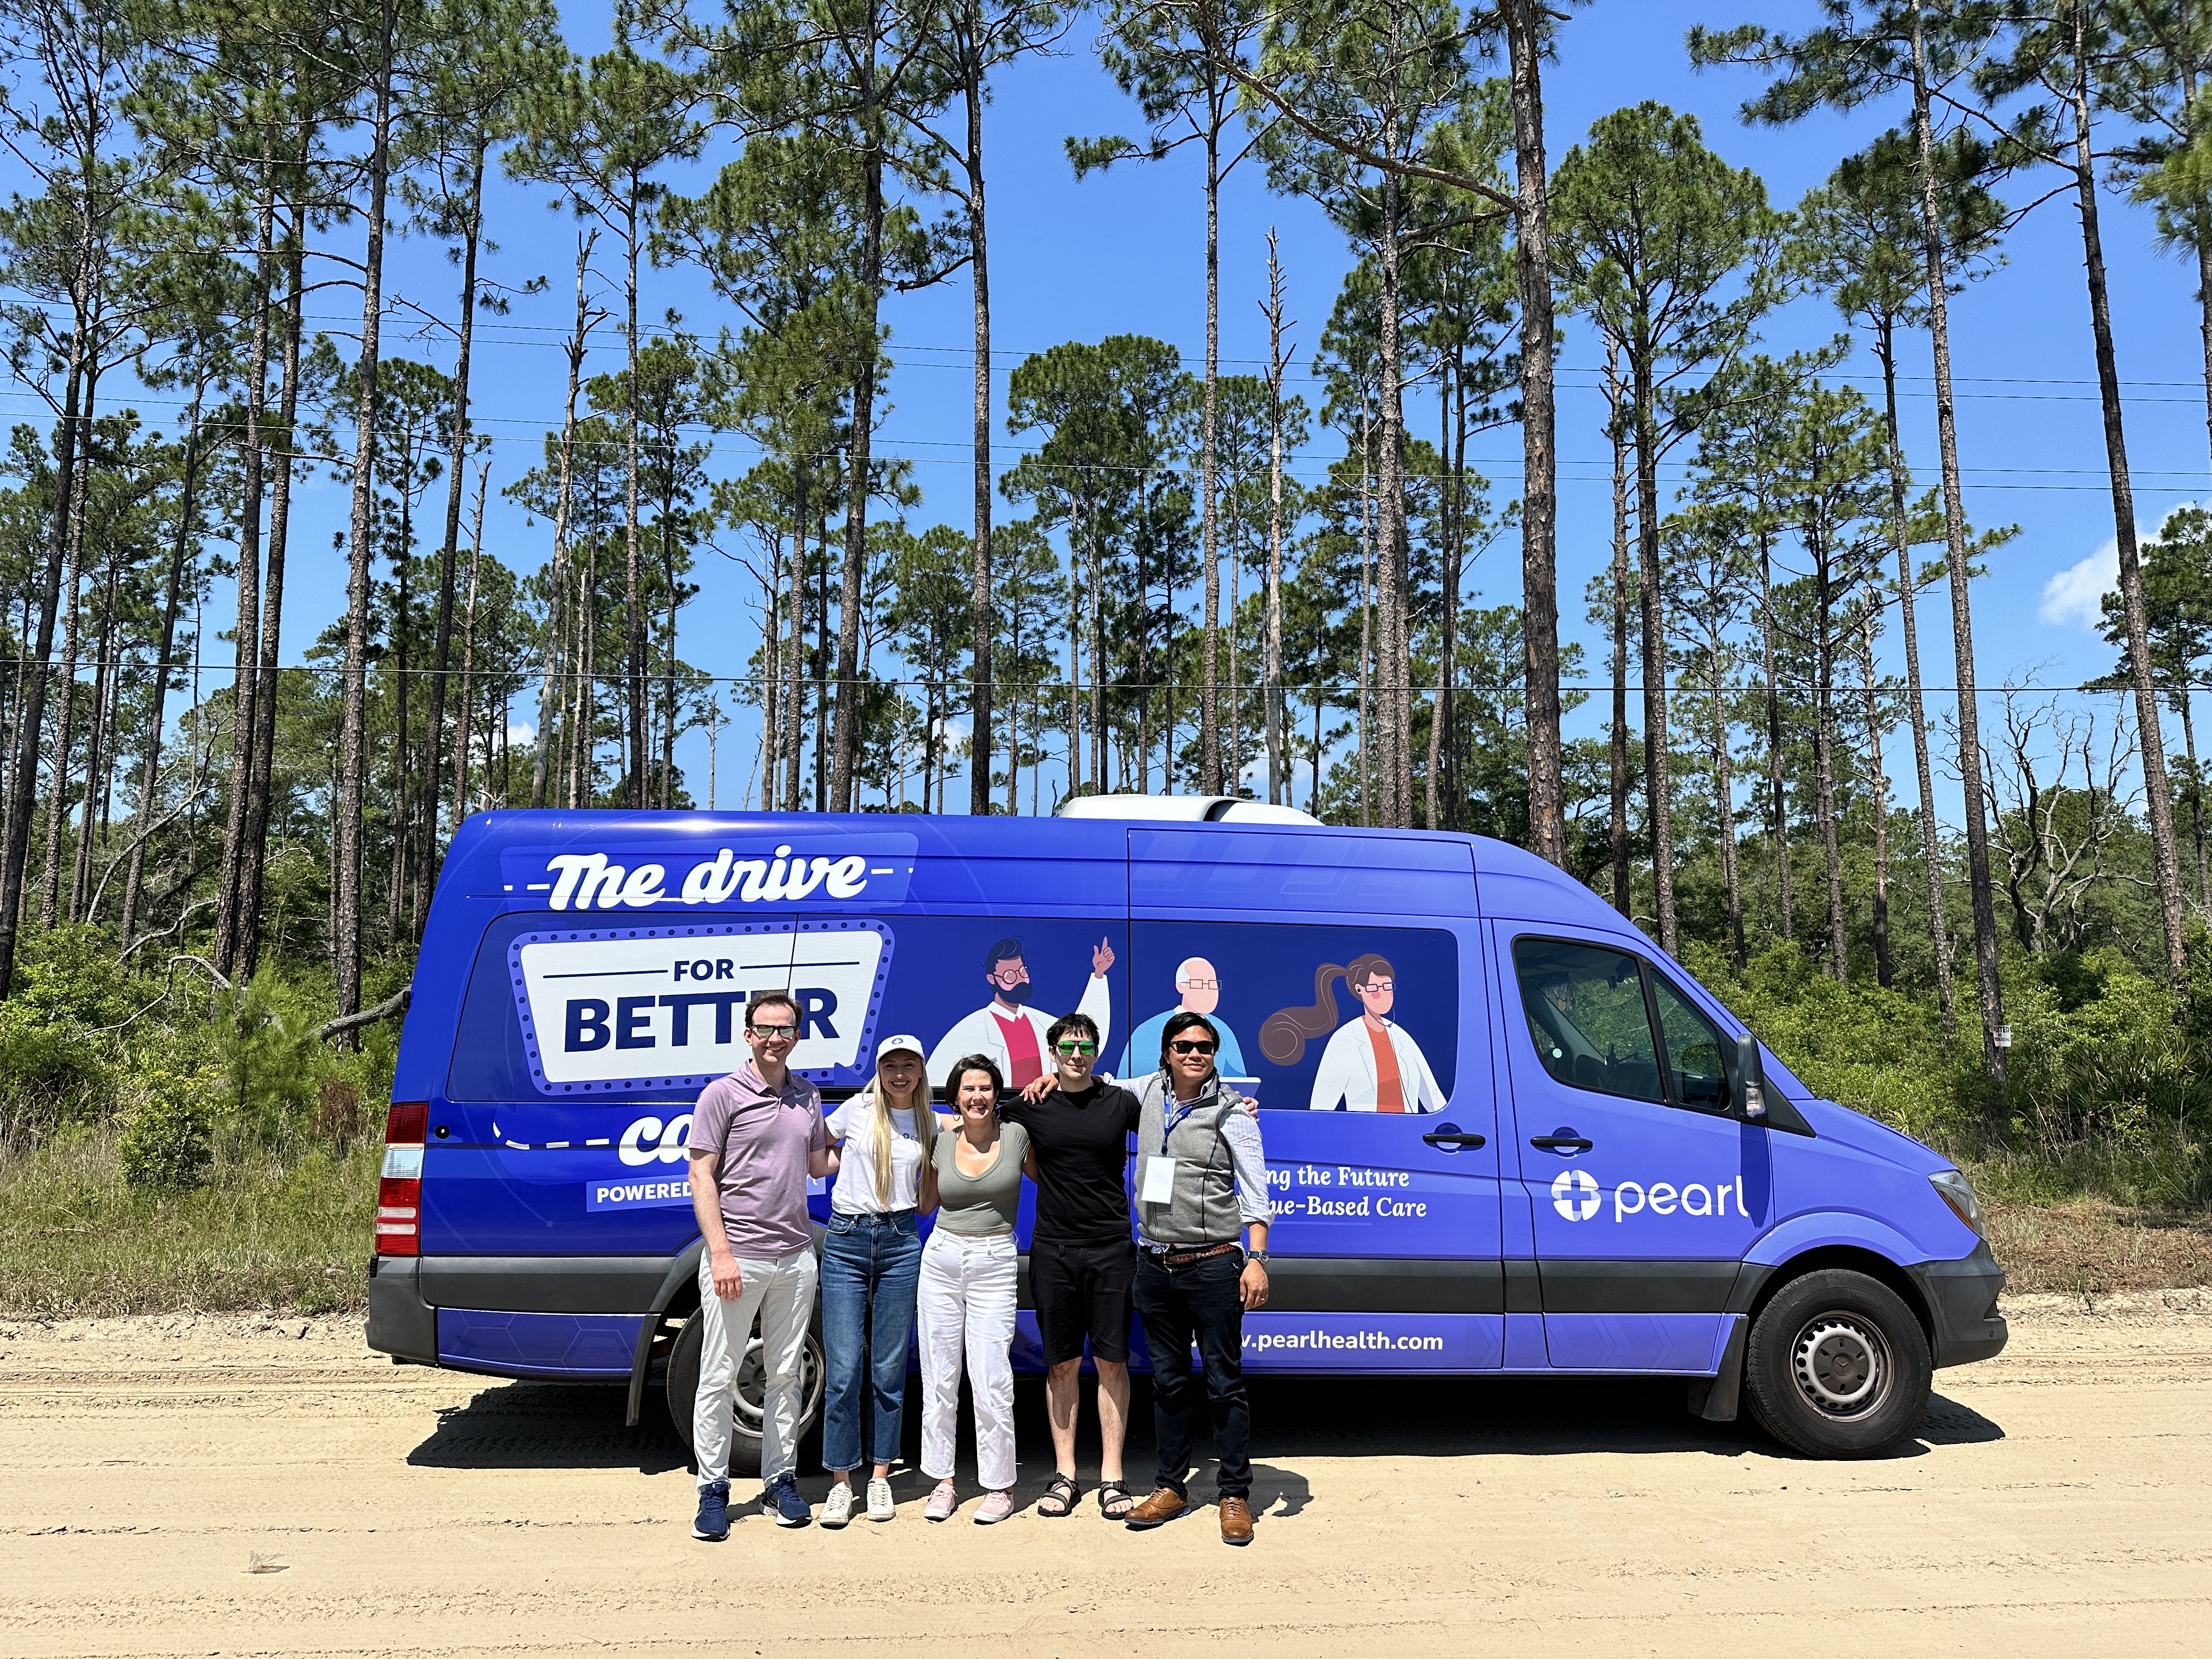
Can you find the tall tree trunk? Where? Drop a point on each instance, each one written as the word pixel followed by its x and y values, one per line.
pixel 794 703
pixel 633 554
pixel 1878 783
pixel 1097 660
pixel 449 552
pixel 1725 802
pixel 95 756
pixel 157 701
pixel 352 735
pixel 548 694
pixel 1432 780
pixel 1957 573
pixel 1209 694
pixel 65 713
pixel 30 720
pixel 1778 801
pixel 2182 707
pixel 462 719
pixel 1367 516
pixel 1908 594
pixel 1278 783
pixel 1394 605
pixel 229 918
pixel 2158 794
pixel 1824 760
pixel 1617 818
pixel 845 736
pixel 1525 21
pixel 979 592
pixel 260 777
pixel 1659 822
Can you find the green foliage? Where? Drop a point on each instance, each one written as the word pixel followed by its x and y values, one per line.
pixel 165 1145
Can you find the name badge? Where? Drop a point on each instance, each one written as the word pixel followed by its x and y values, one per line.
pixel 1157 1186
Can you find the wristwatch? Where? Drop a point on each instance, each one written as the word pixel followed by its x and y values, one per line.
pixel 1259 1256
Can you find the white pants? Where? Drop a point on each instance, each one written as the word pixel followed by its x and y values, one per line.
pixel 780 1291
pixel 967 1302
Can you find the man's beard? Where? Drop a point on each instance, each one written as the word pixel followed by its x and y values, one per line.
pixel 1014 996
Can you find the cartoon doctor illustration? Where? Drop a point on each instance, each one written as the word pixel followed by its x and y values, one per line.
pixel 1373 1063
pixel 1197 986
pixel 1006 1028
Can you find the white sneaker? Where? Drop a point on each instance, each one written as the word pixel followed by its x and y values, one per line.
pixel 880 1507
pixel 837 1510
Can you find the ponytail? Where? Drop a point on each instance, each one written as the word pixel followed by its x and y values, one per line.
pixel 1285 1033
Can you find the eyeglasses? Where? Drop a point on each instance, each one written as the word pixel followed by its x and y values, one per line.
pixel 1074 1049
pixel 1007 976
pixel 1378 985
pixel 1192 1047
pixel 773 1033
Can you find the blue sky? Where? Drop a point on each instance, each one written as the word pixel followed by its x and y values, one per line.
pixel 1124 253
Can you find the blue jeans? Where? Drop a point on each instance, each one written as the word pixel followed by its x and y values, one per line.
pixel 864 1259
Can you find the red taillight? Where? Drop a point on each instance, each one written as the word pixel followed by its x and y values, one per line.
pixel 399 1188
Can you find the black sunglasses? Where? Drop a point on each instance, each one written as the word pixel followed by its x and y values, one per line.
pixel 1192 1047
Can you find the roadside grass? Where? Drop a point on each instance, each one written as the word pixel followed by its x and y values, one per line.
pixel 2089 1248
pixel 288 1231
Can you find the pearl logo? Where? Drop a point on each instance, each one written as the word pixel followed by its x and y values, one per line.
pixel 1575 1195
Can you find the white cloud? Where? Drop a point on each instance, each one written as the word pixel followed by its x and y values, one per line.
pixel 2075 595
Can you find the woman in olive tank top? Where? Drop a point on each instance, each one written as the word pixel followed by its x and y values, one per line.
pixel 965 1306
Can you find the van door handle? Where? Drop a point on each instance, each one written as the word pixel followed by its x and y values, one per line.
pixel 1561 1143
pixel 1449 1136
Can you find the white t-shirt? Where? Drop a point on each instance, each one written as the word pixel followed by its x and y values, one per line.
pixel 855 1193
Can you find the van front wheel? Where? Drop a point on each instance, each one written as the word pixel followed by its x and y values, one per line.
pixel 1838 1366
pixel 749 1404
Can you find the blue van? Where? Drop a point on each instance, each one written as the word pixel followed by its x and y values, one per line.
pixel 1505 1133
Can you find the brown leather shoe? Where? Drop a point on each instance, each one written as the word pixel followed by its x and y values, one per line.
pixel 1235 1521
pixel 1163 1505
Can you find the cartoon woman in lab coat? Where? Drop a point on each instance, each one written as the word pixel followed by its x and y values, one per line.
pixel 1372 1064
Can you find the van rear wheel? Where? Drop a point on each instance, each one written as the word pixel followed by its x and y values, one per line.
pixel 684 1360
pixel 1838 1366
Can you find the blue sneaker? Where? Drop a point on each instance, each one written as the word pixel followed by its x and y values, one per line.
pixel 714 1520
pixel 783 1497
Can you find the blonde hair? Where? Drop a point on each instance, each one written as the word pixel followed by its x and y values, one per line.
pixel 880 1129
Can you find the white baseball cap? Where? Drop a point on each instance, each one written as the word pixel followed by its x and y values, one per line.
pixel 891 1045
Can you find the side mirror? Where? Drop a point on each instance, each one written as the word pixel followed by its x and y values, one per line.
pixel 1751 1077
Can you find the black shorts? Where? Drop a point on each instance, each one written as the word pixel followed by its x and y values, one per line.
pixel 1083 1290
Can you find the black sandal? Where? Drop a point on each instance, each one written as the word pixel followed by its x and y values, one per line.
pixel 1111 1492
pixel 1062 1492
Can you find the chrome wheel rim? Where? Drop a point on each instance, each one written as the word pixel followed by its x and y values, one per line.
pixel 1842 1366
pixel 749 1400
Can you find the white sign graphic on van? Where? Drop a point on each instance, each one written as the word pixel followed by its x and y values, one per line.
pixel 664 1007
pixel 1575 1195
pixel 648 875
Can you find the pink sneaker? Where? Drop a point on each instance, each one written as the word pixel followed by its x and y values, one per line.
pixel 943 1500
pixel 995 1507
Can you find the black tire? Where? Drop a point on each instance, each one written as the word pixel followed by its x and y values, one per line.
pixel 682 1386
pixel 1838 1366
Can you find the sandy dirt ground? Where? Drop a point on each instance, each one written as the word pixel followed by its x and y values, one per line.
pixel 242 1487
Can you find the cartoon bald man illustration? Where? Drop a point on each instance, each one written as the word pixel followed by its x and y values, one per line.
pixel 1373 1063
pixel 1198 990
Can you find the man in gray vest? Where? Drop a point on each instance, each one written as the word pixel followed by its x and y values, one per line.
pixel 1201 1186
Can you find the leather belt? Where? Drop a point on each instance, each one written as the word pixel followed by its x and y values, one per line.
pixel 1183 1256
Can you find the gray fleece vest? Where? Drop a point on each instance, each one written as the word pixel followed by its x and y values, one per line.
pixel 1203 1209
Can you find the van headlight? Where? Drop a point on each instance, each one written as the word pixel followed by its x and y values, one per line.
pixel 1958 1192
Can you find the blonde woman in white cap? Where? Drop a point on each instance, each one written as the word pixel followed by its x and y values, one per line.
pixel 870 1262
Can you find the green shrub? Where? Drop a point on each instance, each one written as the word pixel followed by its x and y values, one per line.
pixel 165 1142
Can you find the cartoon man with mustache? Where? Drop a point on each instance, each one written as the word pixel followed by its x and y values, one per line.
pixel 1007 1028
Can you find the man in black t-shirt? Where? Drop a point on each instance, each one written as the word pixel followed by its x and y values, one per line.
pixel 1083 1258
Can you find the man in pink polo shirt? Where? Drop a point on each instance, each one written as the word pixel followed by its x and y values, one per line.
pixel 756 1136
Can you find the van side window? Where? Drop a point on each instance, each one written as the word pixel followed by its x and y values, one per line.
pixel 1693 1050
pixel 1586 1015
